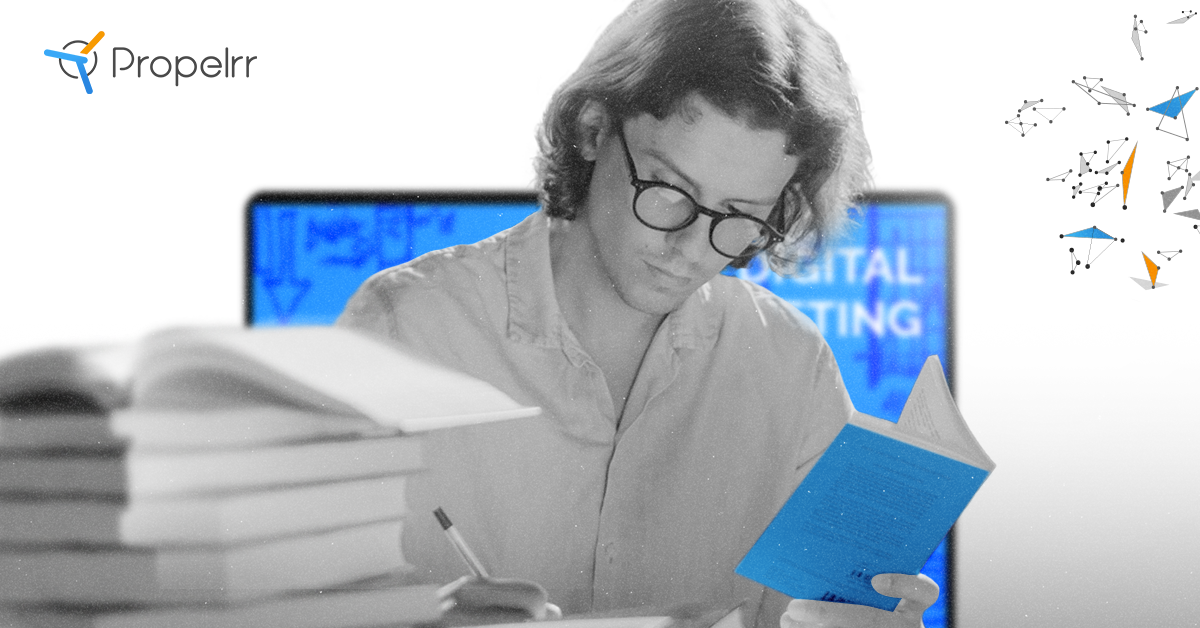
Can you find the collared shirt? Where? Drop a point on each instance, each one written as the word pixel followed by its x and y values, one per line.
pixel 736 397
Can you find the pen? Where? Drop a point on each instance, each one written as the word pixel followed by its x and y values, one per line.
pixel 459 544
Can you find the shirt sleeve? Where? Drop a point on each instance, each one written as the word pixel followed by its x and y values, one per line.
pixel 831 409
pixel 369 310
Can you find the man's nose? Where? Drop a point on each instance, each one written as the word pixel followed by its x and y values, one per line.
pixel 691 242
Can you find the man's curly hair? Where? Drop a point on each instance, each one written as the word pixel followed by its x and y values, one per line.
pixel 764 61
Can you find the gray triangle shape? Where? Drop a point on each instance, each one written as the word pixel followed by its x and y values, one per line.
pixel 1169 197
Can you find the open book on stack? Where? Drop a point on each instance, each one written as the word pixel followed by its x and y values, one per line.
pixel 217 477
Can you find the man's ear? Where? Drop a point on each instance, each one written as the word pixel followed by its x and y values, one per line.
pixel 593 127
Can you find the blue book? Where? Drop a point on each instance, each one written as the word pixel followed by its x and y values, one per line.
pixel 879 500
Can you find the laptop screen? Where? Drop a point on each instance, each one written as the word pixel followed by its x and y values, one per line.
pixel 307 253
pixel 881 296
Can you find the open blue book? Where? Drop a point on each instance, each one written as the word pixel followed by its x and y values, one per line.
pixel 879 500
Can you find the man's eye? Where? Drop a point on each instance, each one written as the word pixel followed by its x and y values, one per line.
pixel 657 178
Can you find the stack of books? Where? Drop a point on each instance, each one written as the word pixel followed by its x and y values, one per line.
pixel 219 478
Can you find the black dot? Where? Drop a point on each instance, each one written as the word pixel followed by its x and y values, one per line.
pixel 1088 266
pixel 1122 239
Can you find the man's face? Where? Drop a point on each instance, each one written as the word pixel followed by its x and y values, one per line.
pixel 722 162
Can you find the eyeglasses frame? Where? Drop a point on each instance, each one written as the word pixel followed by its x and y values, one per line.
pixel 641 185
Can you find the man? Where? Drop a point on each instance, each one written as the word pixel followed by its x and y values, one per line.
pixel 681 406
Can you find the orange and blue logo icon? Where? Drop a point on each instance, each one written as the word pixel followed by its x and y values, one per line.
pixel 80 60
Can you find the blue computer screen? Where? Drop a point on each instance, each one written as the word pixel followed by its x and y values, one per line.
pixel 880 295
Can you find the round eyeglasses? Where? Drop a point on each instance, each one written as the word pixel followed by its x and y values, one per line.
pixel 664 207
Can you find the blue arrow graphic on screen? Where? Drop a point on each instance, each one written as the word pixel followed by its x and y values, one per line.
pixel 283 287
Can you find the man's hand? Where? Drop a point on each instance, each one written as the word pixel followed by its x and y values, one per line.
pixel 498 596
pixel 917 593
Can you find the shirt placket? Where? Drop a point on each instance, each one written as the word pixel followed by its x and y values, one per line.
pixel 658 371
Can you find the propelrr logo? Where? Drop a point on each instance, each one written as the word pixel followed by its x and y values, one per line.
pixel 80 60
pixel 138 66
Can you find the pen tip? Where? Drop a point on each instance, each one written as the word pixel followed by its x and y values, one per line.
pixel 442 518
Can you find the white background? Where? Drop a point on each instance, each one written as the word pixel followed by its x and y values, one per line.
pixel 122 213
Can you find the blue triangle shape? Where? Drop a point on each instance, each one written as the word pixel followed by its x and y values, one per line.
pixel 1173 107
pixel 1089 233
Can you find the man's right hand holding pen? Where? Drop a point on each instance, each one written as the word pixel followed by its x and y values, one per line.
pixel 480 593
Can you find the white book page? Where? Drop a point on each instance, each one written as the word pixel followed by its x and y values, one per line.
pixel 330 369
pixel 931 413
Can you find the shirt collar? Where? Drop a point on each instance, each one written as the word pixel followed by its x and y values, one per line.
pixel 535 318
pixel 533 313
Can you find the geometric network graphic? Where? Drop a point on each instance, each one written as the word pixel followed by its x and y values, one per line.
pixel 1102 94
pixel 1174 167
pixel 1152 270
pixel 1173 108
pixel 1137 40
pixel 1187 15
pixel 1048 114
pixel 1095 181
pixel 1090 234
pixel 1169 197
pixel 1126 175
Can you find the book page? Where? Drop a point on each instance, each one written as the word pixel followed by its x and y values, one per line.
pixel 332 370
pixel 931 412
